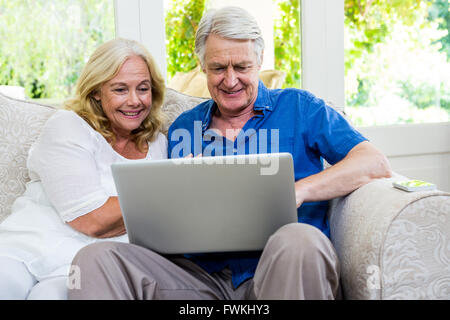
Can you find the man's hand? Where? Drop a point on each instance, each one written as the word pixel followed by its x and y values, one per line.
pixel 362 164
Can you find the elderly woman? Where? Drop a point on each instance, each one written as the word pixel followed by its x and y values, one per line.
pixel 71 200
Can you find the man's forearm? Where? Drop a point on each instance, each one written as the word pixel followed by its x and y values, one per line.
pixel 362 164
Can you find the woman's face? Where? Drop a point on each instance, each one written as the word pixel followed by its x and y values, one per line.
pixel 127 98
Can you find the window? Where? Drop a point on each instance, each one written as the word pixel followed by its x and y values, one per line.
pixel 397 61
pixel 45 44
pixel 415 150
pixel 281 33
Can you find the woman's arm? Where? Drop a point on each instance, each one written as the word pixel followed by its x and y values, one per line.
pixel 104 222
pixel 362 164
pixel 63 158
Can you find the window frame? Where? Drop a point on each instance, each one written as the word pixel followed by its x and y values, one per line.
pixel 133 20
pixel 323 68
pixel 323 74
pixel 322 33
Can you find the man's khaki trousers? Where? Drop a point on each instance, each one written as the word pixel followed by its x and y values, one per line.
pixel 298 262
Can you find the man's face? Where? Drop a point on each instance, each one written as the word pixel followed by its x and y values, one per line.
pixel 232 71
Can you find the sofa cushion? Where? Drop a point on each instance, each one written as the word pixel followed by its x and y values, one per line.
pixel 20 124
pixel 175 103
pixel 272 79
pixel 191 83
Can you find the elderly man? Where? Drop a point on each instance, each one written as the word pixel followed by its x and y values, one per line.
pixel 298 261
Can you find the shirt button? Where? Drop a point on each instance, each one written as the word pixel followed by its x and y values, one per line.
pixel 234 150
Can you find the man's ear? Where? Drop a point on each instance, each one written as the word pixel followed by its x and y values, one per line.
pixel 261 59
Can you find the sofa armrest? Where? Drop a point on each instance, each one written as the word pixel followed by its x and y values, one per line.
pixel 392 244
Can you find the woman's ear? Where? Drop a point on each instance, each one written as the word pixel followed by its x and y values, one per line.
pixel 96 95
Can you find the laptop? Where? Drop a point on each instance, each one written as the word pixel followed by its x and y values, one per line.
pixel 206 204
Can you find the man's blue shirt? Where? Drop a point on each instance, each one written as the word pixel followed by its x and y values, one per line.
pixel 288 120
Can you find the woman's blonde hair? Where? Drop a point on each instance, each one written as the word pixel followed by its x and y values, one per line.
pixel 103 65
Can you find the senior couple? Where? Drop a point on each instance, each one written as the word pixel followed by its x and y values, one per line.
pixel 70 214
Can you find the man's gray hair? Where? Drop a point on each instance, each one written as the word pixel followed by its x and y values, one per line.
pixel 229 23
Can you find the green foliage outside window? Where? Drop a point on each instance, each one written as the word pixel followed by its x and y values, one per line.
pixel 440 11
pixel 183 16
pixel 287 42
pixel 182 19
pixel 44 44
pixel 397 61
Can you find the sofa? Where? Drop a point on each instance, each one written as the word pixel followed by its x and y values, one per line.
pixel 391 244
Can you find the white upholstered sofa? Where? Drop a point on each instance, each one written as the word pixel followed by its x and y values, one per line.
pixel 391 244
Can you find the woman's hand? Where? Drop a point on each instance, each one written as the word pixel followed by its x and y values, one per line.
pixel 190 155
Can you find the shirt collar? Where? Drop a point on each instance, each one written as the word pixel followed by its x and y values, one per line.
pixel 207 117
pixel 262 103
pixel 263 99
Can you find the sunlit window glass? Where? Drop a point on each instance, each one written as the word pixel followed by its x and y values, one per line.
pixel 397 61
pixel 278 19
pixel 44 44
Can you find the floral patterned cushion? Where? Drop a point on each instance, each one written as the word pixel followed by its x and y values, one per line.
pixel 176 103
pixel 20 124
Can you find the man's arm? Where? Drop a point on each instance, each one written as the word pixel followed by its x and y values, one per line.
pixel 362 164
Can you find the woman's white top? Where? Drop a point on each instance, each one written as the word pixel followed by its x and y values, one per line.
pixel 70 170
